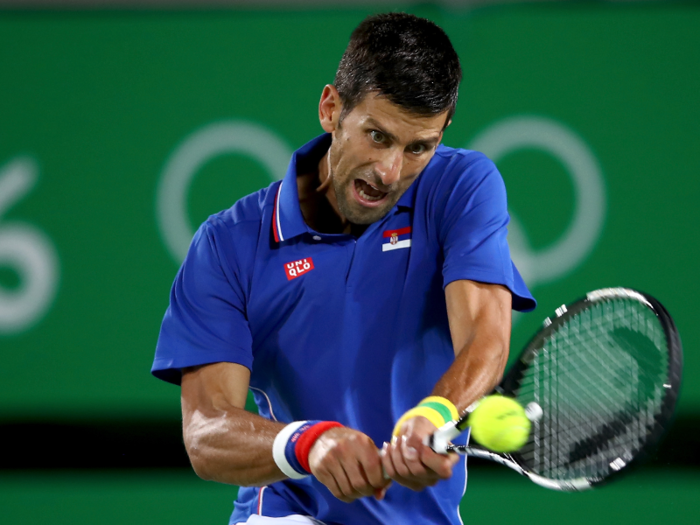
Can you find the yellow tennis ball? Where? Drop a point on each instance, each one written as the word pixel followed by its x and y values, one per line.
pixel 499 423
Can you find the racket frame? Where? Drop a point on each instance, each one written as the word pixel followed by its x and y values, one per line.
pixel 440 441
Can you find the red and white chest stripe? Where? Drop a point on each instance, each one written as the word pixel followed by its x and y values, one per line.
pixel 276 229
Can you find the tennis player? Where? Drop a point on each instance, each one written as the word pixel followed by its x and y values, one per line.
pixel 365 300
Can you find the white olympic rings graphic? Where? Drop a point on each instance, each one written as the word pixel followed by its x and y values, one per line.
pixel 505 136
pixel 582 233
pixel 197 149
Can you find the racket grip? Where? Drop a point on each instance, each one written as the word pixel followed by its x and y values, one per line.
pixel 441 438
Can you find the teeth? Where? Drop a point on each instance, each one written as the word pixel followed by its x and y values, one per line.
pixel 367 197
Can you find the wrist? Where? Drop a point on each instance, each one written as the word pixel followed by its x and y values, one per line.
pixel 293 443
pixel 438 410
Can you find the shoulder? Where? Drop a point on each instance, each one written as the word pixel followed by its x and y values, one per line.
pixel 243 221
pixel 456 175
pixel 234 234
pixel 454 165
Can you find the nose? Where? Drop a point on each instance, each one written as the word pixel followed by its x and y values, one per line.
pixel 389 167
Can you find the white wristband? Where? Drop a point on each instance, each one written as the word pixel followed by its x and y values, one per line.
pixel 278 449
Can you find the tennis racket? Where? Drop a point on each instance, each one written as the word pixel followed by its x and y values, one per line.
pixel 603 375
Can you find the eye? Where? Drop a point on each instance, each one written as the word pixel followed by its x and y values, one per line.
pixel 417 149
pixel 378 136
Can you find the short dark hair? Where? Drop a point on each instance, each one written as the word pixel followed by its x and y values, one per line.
pixel 407 59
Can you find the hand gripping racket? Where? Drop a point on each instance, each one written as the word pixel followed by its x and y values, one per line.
pixel 605 372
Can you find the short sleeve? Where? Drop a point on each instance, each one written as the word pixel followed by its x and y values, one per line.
pixel 205 321
pixel 474 229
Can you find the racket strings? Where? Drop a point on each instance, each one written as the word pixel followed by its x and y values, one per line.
pixel 599 381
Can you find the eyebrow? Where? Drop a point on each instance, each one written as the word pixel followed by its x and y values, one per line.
pixel 428 141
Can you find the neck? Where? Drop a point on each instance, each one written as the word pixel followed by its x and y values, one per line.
pixel 318 202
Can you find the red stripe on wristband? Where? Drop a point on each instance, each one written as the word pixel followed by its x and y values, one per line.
pixel 307 440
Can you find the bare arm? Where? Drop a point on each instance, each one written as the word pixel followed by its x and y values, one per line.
pixel 226 443
pixel 480 320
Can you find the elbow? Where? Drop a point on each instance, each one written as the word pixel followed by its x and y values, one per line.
pixel 210 464
pixel 198 459
pixel 206 469
pixel 200 435
pixel 200 468
pixel 200 450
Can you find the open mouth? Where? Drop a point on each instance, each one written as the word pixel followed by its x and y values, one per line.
pixel 367 194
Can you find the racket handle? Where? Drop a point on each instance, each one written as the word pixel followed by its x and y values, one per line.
pixel 442 437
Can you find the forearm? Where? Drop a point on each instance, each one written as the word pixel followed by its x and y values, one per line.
pixel 232 446
pixel 477 369
pixel 224 442
pixel 480 322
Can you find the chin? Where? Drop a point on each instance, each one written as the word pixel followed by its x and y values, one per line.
pixel 366 216
pixel 356 213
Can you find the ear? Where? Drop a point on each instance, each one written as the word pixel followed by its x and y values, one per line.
pixel 329 108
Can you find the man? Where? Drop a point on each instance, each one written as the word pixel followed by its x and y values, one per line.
pixel 375 274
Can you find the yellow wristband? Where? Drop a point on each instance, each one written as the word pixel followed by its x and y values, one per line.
pixel 454 413
pixel 428 413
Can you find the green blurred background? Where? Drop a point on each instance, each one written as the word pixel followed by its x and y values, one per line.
pixel 122 130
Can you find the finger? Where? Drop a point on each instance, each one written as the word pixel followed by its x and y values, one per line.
pixel 411 453
pixel 348 479
pixel 400 467
pixel 411 449
pixel 371 465
pixel 401 474
pixel 440 464
pixel 387 464
pixel 332 484
pixel 339 480
pixel 380 493
pixel 365 470
pixel 359 484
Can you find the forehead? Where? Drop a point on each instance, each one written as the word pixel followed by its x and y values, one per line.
pixel 376 110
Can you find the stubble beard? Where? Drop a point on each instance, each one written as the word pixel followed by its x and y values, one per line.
pixel 355 212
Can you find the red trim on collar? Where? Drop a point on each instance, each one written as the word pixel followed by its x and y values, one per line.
pixel 275 233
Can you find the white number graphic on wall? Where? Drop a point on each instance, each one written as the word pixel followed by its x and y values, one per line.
pixel 200 147
pixel 579 238
pixel 27 251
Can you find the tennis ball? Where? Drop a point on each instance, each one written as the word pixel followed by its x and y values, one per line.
pixel 499 423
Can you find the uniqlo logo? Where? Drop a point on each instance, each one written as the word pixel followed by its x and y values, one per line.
pixel 297 268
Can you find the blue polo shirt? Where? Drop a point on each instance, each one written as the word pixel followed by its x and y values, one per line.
pixel 335 327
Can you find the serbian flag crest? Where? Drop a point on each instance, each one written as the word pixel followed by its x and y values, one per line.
pixel 397 239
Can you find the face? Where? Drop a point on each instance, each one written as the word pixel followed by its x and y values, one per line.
pixel 378 150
